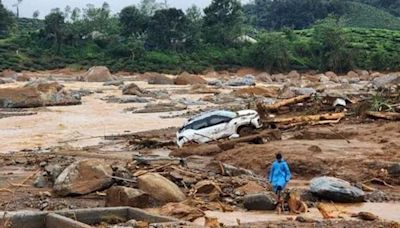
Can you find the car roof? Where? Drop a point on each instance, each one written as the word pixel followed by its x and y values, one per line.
pixel 204 115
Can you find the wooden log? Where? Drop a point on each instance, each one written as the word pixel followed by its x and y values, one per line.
pixel 385 115
pixel 275 106
pixel 213 148
pixel 308 119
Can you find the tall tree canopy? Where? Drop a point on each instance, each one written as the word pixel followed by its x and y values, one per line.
pixel 132 21
pixel 167 29
pixel 223 21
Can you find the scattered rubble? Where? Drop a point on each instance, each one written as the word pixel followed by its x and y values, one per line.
pixel 123 196
pixel 248 80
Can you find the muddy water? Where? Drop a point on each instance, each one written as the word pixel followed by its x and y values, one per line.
pixel 386 211
pixel 77 125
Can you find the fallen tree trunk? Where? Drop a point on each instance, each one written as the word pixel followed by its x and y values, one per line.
pixel 307 119
pixel 213 149
pixel 385 115
pixel 275 106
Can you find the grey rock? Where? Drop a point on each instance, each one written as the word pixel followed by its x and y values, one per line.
pixel 134 99
pixel 303 91
pixel 217 83
pixel 260 201
pixel 190 102
pixel 386 80
pixel 40 181
pixel 248 80
pixel 336 189
pixel 53 171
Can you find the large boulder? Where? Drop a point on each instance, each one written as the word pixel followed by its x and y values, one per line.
pixel 335 189
pixel 23 78
pixel 83 177
pixel 160 188
pixel 386 80
pixel 248 80
pixel 98 74
pixel 8 74
pixel 123 196
pixel 264 77
pixel 188 79
pixel 132 89
pixel 36 94
pixel 160 79
pixel 294 75
pixel 260 201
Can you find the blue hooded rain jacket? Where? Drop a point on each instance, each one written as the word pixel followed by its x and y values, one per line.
pixel 279 175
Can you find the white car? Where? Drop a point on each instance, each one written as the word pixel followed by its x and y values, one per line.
pixel 214 125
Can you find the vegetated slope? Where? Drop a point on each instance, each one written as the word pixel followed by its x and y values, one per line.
pixel 366 16
pixel 366 39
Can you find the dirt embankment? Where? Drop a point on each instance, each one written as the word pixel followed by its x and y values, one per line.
pixel 350 151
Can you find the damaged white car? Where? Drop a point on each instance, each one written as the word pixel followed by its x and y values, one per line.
pixel 214 125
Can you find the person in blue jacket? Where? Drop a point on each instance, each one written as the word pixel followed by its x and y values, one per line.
pixel 279 175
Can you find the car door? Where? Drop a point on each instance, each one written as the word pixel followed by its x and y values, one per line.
pixel 218 126
pixel 200 130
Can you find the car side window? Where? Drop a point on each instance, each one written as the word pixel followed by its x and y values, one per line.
pixel 200 124
pixel 215 120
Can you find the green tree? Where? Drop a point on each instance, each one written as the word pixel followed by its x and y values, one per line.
pixel 99 20
pixel 223 22
pixel 167 29
pixel 331 46
pixel 132 21
pixel 271 52
pixel 195 22
pixel 54 28
pixel 6 19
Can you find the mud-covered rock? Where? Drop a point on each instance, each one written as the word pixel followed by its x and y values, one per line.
pixel 23 78
pixel 133 89
pixel 160 79
pixel 160 188
pixel 123 196
pixel 337 190
pixel 181 211
pixel 260 201
pixel 83 177
pixel 188 79
pixel 98 74
pixel 257 91
pixel 264 77
pixel 367 216
pixel 36 94
pixel 8 74
pixel 250 187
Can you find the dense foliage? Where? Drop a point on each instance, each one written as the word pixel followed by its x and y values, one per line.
pixel 277 35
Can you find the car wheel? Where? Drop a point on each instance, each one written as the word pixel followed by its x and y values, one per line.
pixel 245 130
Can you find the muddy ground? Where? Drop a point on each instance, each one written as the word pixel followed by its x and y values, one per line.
pixel 355 149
